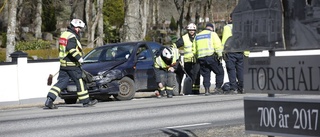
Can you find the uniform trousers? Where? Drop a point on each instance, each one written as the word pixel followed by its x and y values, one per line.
pixel 208 64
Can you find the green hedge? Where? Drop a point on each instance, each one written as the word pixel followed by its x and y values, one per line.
pixel 40 54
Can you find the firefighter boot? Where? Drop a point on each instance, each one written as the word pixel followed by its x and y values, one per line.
pixel 169 94
pixel 207 91
pixel 161 94
pixel 90 103
pixel 49 104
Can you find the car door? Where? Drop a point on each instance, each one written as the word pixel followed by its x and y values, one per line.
pixel 144 73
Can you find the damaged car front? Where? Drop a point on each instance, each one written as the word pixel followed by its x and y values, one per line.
pixel 107 65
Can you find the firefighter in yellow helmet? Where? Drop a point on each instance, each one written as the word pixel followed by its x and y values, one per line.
pixel 165 65
pixel 234 62
pixel 208 49
pixel 189 62
pixel 70 54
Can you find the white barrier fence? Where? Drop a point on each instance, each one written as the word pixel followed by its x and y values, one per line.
pixel 24 82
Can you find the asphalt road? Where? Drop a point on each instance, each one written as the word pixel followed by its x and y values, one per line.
pixel 215 115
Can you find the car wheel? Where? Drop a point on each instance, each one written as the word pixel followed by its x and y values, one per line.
pixel 126 89
pixel 176 89
pixel 70 101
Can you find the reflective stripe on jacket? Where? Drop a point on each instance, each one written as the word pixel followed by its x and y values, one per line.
pixel 206 43
pixel 63 53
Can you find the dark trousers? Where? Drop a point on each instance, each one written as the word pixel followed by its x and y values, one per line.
pixel 208 64
pixel 63 80
pixel 234 64
pixel 192 70
pixel 168 80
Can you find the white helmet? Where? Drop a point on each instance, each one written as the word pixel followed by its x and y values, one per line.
pixel 192 26
pixel 77 23
pixel 166 53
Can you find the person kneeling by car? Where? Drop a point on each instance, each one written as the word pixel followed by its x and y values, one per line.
pixel 165 65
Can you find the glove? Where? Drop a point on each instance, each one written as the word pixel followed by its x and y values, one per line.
pixel 246 53
pixel 80 60
pixel 220 59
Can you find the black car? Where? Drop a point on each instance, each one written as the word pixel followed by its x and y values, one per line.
pixel 120 70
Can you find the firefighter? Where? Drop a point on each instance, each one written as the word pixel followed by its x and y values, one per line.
pixel 165 66
pixel 234 62
pixel 189 62
pixel 208 49
pixel 70 54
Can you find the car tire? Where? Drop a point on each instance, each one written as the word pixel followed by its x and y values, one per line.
pixel 126 89
pixel 70 101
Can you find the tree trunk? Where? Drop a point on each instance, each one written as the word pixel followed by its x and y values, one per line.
pixel 11 32
pixel 88 21
pixel 180 7
pixel 100 24
pixel 134 28
pixel 38 20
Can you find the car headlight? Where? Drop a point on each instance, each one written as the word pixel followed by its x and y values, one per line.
pixel 107 76
pixel 96 78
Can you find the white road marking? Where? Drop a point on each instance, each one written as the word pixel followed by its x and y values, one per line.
pixel 193 125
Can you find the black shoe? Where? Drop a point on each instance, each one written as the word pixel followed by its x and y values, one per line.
pixel 206 91
pixel 169 96
pixel 241 91
pixel 217 91
pixel 232 91
pixel 160 96
pixel 90 103
pixel 195 92
pixel 49 104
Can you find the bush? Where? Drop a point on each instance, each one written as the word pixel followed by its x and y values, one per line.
pixel 33 45
pixel 40 54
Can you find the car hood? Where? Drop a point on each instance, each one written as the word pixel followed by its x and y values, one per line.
pixel 94 68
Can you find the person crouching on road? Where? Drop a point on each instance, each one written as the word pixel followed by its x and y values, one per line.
pixel 208 49
pixel 70 54
pixel 165 65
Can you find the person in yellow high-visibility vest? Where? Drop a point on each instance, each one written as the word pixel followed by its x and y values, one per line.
pixel 207 48
pixel 189 62
pixel 234 62
pixel 70 54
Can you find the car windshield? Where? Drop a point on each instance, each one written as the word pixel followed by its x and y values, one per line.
pixel 108 53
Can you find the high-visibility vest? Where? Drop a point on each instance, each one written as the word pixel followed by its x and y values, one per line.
pixel 159 63
pixel 206 43
pixel 188 55
pixel 227 32
pixel 63 42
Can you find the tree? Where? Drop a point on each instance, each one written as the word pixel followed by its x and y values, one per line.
pixel 180 7
pixel 38 20
pixel 11 30
pixel 49 18
pixel 113 11
pixel 135 22
pixel 173 25
pixel 100 24
pixel 93 16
